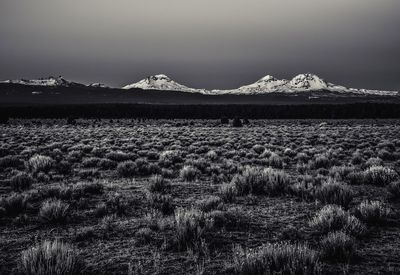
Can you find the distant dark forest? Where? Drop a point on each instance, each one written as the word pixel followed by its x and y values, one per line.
pixel 154 111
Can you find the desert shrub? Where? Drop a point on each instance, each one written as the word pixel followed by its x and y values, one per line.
pixel 333 218
pixel 320 161
pixel 90 162
pixel 155 220
pixel 341 172
pixel 163 203
pixel 278 258
pixel 334 192
pixel 127 169
pixel 230 218
pixel 258 149
pixel 372 212
pixel 379 175
pixel 82 189
pixel 89 173
pixel 337 246
pixel 237 122
pixel 13 204
pixel 54 211
pixel 63 167
pixel 107 164
pixel 261 181
pixel 374 162
pixel 21 181
pixel 228 192
pixel 10 161
pixel 118 156
pixel 144 235
pixel 51 257
pixel 189 173
pixel 275 161
pixel 86 233
pixel 189 228
pixel 101 210
pixel 158 184
pixel 171 157
pixel 117 204
pixel 356 178
pixel 39 163
pixel 210 203
pixel 394 189
pixel 212 155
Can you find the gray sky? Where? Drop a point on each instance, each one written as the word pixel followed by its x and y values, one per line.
pixel 202 43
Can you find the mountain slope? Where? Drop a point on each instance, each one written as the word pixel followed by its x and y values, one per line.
pixel 49 82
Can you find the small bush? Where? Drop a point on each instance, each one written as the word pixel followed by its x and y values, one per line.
pixel 127 169
pixel 379 175
pixel 82 189
pixel 372 212
pixel 10 161
pixel 163 203
pixel 394 189
pixel 333 218
pixel 189 173
pixel 337 246
pixel 14 204
pixel 228 192
pixel 21 181
pixel 278 258
pixel 51 258
pixel 333 192
pixel 210 203
pixel 189 228
pixel 39 163
pixel 261 181
pixel 159 184
pixel 54 211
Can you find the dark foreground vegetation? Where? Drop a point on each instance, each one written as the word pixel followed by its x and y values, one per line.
pixel 209 111
pixel 129 196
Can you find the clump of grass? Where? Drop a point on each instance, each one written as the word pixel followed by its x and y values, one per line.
pixel 210 203
pixel 127 169
pixel 333 218
pixel 334 192
pixel 51 257
pixel 189 173
pixel 278 258
pixel 21 181
pixel 10 161
pixel 54 211
pixel 380 175
pixel 163 203
pixel 320 161
pixel 13 204
pixel 337 246
pixel 258 181
pixel 158 184
pixel 189 228
pixel 372 212
pixel 39 163
pixel 394 189
pixel 275 161
pixel 227 192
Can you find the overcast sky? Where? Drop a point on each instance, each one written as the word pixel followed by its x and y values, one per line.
pixel 202 43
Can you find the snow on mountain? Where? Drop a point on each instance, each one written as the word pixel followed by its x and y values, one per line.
pixel 162 82
pixel 97 85
pixel 49 81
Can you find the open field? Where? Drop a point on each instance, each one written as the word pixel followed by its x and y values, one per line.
pixel 200 197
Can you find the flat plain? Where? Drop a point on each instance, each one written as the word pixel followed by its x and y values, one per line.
pixel 200 196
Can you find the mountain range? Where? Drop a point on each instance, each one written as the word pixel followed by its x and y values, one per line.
pixel 267 85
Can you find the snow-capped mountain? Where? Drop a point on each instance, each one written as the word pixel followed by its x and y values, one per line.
pixel 48 81
pixel 301 83
pixel 162 82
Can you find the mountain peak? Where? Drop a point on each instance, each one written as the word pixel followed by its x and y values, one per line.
pixel 267 78
pixel 308 81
